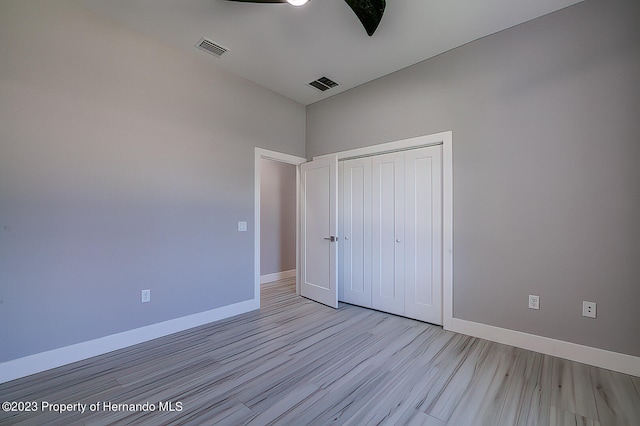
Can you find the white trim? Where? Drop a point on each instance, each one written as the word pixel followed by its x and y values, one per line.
pixel 279 156
pixel 298 229
pixel 277 276
pixel 25 366
pixel 410 143
pixel 447 229
pixel 266 154
pixel 615 361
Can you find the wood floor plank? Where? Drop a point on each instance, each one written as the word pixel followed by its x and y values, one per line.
pixel 561 417
pixel 416 418
pixel 616 397
pixel 282 405
pixel 446 393
pixel 522 407
pixel 301 363
pixel 482 394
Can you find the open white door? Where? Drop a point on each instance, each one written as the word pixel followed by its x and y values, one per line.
pixel 318 226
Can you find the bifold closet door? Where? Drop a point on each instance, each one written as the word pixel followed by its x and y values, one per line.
pixel 355 241
pixel 391 233
pixel 423 234
pixel 387 239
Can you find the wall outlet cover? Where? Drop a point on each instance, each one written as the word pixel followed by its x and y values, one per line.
pixel 534 301
pixel 589 309
pixel 146 296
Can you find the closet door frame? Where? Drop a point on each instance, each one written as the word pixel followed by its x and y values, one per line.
pixel 446 140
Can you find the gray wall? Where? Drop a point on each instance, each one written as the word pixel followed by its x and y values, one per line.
pixel 124 164
pixel 277 217
pixel 546 143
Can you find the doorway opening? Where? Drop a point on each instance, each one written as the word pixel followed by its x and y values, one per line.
pixel 276 225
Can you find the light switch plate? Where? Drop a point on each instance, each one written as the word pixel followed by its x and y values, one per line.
pixel 242 226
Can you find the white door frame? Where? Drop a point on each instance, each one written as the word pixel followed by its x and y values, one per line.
pixel 265 154
pixel 446 140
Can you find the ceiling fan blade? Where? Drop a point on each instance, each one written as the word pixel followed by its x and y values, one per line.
pixel 260 1
pixel 369 12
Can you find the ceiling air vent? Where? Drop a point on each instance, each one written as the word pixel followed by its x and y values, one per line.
pixel 323 83
pixel 210 47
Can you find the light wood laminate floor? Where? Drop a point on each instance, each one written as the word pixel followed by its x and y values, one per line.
pixel 298 362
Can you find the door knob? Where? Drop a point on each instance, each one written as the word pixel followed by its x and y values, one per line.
pixel 331 238
pixel 397 240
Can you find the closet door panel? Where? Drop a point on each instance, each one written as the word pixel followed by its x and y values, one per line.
pixel 356 234
pixel 388 233
pixel 423 232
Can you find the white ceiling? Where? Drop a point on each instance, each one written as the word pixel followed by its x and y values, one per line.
pixel 283 48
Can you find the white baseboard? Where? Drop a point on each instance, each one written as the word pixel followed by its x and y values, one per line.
pixel 615 361
pixel 22 367
pixel 277 276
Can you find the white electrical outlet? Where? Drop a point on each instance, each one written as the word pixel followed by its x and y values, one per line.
pixel 534 301
pixel 589 309
pixel 146 296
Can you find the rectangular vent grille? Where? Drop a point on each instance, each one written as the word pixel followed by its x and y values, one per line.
pixel 211 47
pixel 323 83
